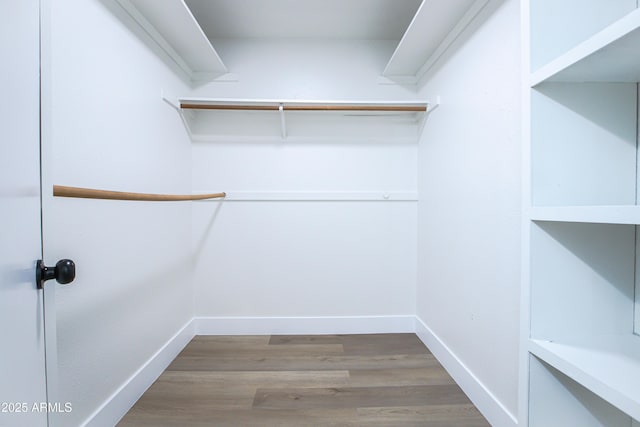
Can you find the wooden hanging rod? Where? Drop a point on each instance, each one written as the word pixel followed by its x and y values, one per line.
pixel 89 193
pixel 410 108
pixel 326 107
pixel 229 107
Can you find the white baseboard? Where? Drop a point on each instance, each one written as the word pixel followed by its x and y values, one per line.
pixel 485 401
pixel 304 325
pixel 116 406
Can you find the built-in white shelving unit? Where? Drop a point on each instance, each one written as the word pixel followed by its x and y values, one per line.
pixel 267 120
pixel 580 315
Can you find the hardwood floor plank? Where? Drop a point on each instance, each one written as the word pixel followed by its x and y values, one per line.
pixel 212 349
pixel 358 397
pixel 359 344
pixel 295 363
pixel 463 415
pixel 235 341
pixel 427 375
pixel 199 381
pixel 202 392
pixel 169 402
pixel 167 395
pixel 255 418
pixel 305 339
pixel 383 344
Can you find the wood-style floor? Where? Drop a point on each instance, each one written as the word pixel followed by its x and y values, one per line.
pixel 320 380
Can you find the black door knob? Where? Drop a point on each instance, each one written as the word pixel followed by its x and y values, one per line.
pixel 64 272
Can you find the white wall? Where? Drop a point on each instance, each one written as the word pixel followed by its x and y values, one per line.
pixel 305 258
pixel 469 208
pixel 305 69
pixel 107 127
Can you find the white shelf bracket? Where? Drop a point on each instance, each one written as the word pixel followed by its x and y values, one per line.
pixel 173 102
pixel 431 106
pixel 283 123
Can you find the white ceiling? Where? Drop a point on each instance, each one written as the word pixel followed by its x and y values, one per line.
pixel 321 19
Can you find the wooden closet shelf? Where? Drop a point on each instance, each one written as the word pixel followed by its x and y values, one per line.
pixel 319 107
pixel 90 193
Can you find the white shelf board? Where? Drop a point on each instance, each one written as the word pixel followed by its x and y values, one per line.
pixel 611 55
pixel 588 214
pixel 200 137
pixel 303 102
pixel 436 24
pixel 172 26
pixel 609 366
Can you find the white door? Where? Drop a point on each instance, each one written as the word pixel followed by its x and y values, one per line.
pixel 22 349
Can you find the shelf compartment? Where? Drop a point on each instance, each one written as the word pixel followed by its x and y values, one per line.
pixel 583 307
pixel 609 366
pixel 611 55
pixel 582 280
pixel 588 214
pixel 584 144
pixel 558 400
